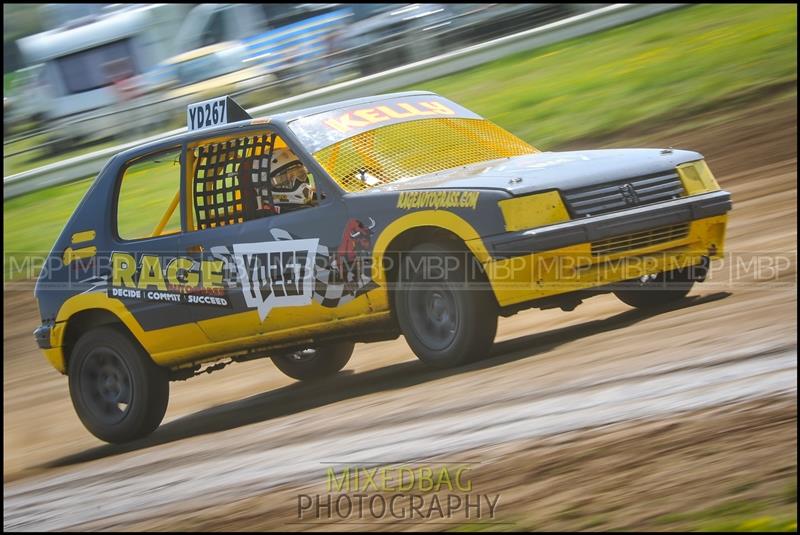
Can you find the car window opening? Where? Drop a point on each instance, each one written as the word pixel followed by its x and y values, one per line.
pixel 167 214
pixel 246 178
pixel 136 219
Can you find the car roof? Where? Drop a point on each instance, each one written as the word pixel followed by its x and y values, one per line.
pixel 282 118
pixel 289 116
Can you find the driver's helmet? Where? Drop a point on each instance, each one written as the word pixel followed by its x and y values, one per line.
pixel 289 180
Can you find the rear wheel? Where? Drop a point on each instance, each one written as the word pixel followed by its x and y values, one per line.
pixel 652 291
pixel 119 393
pixel 444 306
pixel 316 363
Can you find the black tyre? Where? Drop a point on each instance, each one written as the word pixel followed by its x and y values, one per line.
pixel 119 393
pixel 444 306
pixel 317 363
pixel 657 290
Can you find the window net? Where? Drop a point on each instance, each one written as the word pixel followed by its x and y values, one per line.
pixel 227 180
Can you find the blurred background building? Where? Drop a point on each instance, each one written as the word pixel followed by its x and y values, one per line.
pixel 81 74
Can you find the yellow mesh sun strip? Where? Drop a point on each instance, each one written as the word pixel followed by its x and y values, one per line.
pixel 417 148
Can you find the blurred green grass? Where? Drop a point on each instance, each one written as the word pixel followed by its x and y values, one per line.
pixel 774 511
pixel 733 516
pixel 688 59
pixel 684 60
pixel 26 156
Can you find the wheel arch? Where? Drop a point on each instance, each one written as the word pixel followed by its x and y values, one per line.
pixel 460 234
pixel 427 224
pixel 85 320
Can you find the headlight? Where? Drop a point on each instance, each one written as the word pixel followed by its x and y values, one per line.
pixel 532 211
pixel 697 177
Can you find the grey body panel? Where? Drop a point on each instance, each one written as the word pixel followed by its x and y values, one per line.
pixel 547 171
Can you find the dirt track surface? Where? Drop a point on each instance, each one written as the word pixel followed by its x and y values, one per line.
pixel 248 433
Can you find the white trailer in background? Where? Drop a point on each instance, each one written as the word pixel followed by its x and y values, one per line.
pixel 96 64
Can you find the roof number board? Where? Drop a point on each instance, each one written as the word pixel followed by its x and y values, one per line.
pixel 214 112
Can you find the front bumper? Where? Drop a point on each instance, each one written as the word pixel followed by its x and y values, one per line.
pixel 562 258
pixel 601 227
pixel 42 336
pixel 49 338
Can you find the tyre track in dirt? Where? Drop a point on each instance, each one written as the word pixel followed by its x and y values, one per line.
pixel 188 478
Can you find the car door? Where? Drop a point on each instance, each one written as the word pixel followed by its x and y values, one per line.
pixel 147 240
pixel 277 268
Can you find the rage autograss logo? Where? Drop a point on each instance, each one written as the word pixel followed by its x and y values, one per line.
pixel 175 280
pixel 274 273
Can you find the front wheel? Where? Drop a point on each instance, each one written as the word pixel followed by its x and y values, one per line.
pixel 119 393
pixel 316 363
pixel 444 306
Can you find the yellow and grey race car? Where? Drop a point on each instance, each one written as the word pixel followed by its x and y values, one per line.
pixel 297 235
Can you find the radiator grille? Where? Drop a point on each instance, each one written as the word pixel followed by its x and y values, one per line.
pixel 623 194
pixel 640 239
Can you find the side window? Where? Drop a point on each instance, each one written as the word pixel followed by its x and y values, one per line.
pixel 245 178
pixel 149 193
